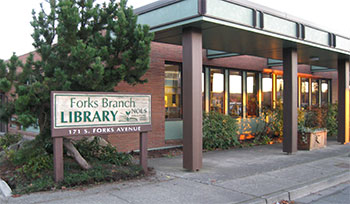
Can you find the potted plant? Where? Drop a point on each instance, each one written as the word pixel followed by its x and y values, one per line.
pixel 311 138
pixel 312 133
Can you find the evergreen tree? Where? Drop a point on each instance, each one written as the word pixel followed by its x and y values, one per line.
pixel 82 46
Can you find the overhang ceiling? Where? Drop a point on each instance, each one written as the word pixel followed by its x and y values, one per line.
pixel 257 30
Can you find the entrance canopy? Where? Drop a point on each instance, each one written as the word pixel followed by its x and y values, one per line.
pixel 240 27
pixel 237 26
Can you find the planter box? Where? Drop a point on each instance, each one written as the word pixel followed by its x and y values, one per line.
pixel 312 140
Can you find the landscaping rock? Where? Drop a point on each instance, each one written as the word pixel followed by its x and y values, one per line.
pixel 5 190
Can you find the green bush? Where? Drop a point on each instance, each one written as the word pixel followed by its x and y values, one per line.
pixel 331 120
pixel 91 150
pixel 73 176
pixel 28 151
pixel 36 165
pixel 315 118
pixel 219 131
pixel 272 121
pixel 9 139
pixel 31 159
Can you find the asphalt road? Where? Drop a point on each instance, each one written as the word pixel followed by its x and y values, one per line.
pixel 339 194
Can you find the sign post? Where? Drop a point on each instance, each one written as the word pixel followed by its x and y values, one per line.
pixel 94 113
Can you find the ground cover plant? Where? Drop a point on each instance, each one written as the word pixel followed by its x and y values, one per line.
pixel 8 139
pixel 30 169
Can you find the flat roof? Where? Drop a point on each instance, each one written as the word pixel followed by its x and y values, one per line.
pixel 238 26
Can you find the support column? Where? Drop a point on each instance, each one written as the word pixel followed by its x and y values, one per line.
pixel 58 159
pixel 244 96
pixel 227 94
pixel 143 151
pixel 260 94
pixel 207 89
pixel 343 101
pixel 329 95
pixel 299 92
pixel 192 99
pixel 310 93
pixel 274 91
pixel 290 89
pixel 319 81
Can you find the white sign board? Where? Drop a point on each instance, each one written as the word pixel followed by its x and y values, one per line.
pixel 92 113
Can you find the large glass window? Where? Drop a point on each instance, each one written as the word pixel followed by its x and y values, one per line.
pixel 172 92
pixel 252 93
pixel 324 89
pixel 314 92
pixel 304 92
pixel 266 90
pixel 279 88
pixel 235 91
pixel 217 90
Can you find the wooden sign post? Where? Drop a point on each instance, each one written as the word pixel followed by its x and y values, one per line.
pixel 96 113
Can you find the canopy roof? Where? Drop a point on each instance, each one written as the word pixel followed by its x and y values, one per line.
pixel 238 26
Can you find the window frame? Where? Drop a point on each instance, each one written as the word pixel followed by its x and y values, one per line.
pixel 181 96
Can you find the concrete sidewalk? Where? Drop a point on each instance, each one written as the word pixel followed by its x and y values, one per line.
pixel 260 174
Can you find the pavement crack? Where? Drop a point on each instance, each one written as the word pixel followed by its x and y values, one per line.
pixel 121 198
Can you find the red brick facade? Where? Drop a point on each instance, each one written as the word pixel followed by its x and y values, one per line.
pixel 161 53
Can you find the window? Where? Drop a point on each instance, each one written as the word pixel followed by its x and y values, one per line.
pixel 235 93
pixel 266 90
pixel 203 90
pixel 252 93
pixel 304 92
pixel 217 90
pixel 172 92
pixel 324 89
pixel 314 92
pixel 279 88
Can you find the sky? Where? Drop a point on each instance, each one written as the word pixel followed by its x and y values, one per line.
pixel 15 17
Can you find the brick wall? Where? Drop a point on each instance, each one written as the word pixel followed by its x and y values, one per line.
pixel 154 86
pixel 160 53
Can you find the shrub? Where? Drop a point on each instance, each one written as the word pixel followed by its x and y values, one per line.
pixel 273 120
pixel 37 165
pixel 301 117
pixel 32 159
pixel 219 131
pixel 92 150
pixel 331 120
pixel 9 139
pixel 315 118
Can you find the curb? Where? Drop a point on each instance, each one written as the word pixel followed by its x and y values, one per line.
pixel 5 190
pixel 313 187
pixel 302 189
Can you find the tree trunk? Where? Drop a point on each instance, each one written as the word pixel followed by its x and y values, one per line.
pixel 75 154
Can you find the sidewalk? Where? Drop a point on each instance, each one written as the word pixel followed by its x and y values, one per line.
pixel 260 174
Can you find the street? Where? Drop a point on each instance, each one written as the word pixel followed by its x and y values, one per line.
pixel 339 194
